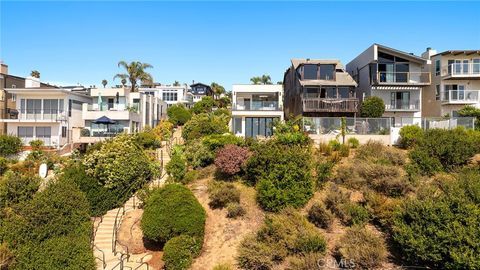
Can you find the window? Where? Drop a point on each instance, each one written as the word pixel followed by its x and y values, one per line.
pixel 437 67
pixel 259 126
pixel 309 72
pixel 343 92
pixel 476 66
pixel 64 132
pixel 327 72
pixel 437 92
pixel 110 103
pixel 454 92
pixel 169 96
pixel 25 132
pixel 400 100
pixel 331 92
pixel 237 125
pixel 14 97
pixel 70 107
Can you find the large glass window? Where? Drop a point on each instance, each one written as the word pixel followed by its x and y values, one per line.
pixel 400 100
pixel 34 109
pixel 437 67
pixel 331 92
pixel 259 126
pixel 309 72
pixel 237 125
pixel 311 92
pixel 327 72
pixel 476 66
pixel 25 132
pixel 343 92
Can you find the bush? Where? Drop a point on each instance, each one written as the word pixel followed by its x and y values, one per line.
pixel 16 188
pixel 325 148
pixel 290 133
pixel 376 152
pixel 178 114
pixel 335 198
pixel 231 159
pixel 221 194
pixel 179 251
pixel 381 208
pixel 190 176
pixel 320 216
pixel 372 107
pixel 36 145
pixel 171 211
pixel 410 136
pixel 354 214
pixel 176 167
pixel 281 235
pixel 198 155
pixel 9 145
pixel 344 150
pixel 148 139
pixel 204 124
pixel 3 165
pixel 451 148
pixel 363 248
pixel 234 210
pixel 324 172
pixel 108 164
pixel 216 141
pixel 353 142
pixel 307 261
pixel 163 130
pixel 440 228
pixel 335 145
pixel 55 223
pixel 203 106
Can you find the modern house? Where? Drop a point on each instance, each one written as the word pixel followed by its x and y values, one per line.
pixel 45 113
pixel 117 110
pixel 170 94
pixel 317 88
pixel 395 76
pixel 255 108
pixel 200 90
pixel 455 82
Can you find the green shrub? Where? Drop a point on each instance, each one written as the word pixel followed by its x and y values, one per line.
pixel 190 176
pixel 307 261
pixel 203 106
pixel 353 142
pixel 51 231
pixel 176 167
pixel 440 228
pixel 148 139
pixel 36 145
pixel 290 133
pixel 171 211
pixel 112 164
pixel 324 173
pixel 354 214
pixel 217 141
pixel 372 107
pixel 234 210
pixel 221 193
pixel 198 155
pixel 335 145
pixel 410 136
pixel 325 149
pixel 363 248
pixel 381 208
pixel 204 124
pixel 178 114
pixel 3 165
pixel 335 198
pixel 344 150
pixel 320 216
pixel 376 152
pixel 9 145
pixel 179 252
pixel 16 188
pixel 222 266
pixel 254 254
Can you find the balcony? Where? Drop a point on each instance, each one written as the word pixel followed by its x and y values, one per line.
pixel 258 106
pixel 403 105
pixel 330 104
pixel 463 70
pixel 403 78
pixel 461 96
pixel 116 112
pixel 33 115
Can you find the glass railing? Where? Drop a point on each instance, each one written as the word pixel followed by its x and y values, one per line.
pixel 34 114
pixel 461 96
pixel 403 105
pixel 258 106
pixel 330 104
pixel 464 69
pixel 403 77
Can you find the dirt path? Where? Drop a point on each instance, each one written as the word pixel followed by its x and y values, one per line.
pixel 223 235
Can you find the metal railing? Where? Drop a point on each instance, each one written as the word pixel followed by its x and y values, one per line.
pixel 258 106
pixel 93 234
pixel 400 105
pixel 359 126
pixel 385 77
pixel 469 68
pixel 437 122
pixel 38 115
pixel 461 96
pixel 330 104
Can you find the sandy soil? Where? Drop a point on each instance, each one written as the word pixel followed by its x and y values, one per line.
pixel 223 235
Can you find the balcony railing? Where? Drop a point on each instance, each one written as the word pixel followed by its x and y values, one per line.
pixel 39 115
pixel 258 106
pixel 330 104
pixel 403 77
pixel 401 105
pixel 461 69
pixel 113 107
pixel 461 96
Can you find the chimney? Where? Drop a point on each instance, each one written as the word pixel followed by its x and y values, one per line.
pixel 32 82
pixel 4 69
pixel 429 52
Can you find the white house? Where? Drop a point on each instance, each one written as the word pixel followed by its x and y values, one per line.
pixel 170 94
pixel 255 108
pixel 47 114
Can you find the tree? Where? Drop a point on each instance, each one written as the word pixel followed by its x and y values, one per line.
pixel 203 106
pixel 178 114
pixel 35 74
pixel 204 124
pixel 124 82
pixel 256 80
pixel 266 79
pixel 9 145
pixel 104 83
pixel 135 73
pixel 217 89
pixel 280 82
pixel 372 107
pixel 471 111
pixel 176 83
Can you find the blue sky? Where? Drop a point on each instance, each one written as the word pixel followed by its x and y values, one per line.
pixel 225 42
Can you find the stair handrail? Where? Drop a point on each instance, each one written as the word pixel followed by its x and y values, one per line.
pixel 142 263
pixel 93 246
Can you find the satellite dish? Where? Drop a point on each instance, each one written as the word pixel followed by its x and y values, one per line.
pixel 42 171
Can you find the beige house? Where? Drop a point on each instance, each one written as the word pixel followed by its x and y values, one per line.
pixel 455 82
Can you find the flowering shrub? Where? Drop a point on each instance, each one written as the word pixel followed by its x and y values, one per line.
pixel 231 158
pixel 164 130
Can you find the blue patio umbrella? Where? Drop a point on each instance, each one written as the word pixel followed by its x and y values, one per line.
pixel 104 120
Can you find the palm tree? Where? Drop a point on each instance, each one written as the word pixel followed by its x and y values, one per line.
pixel 35 74
pixel 256 80
pixel 217 89
pixel 135 73
pixel 266 79
pixel 124 82
pixel 104 83
pixel 279 82
pixel 176 83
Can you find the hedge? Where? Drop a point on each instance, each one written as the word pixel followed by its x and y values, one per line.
pixel 9 145
pixel 178 252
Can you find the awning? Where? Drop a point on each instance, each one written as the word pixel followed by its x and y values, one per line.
pixel 104 120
